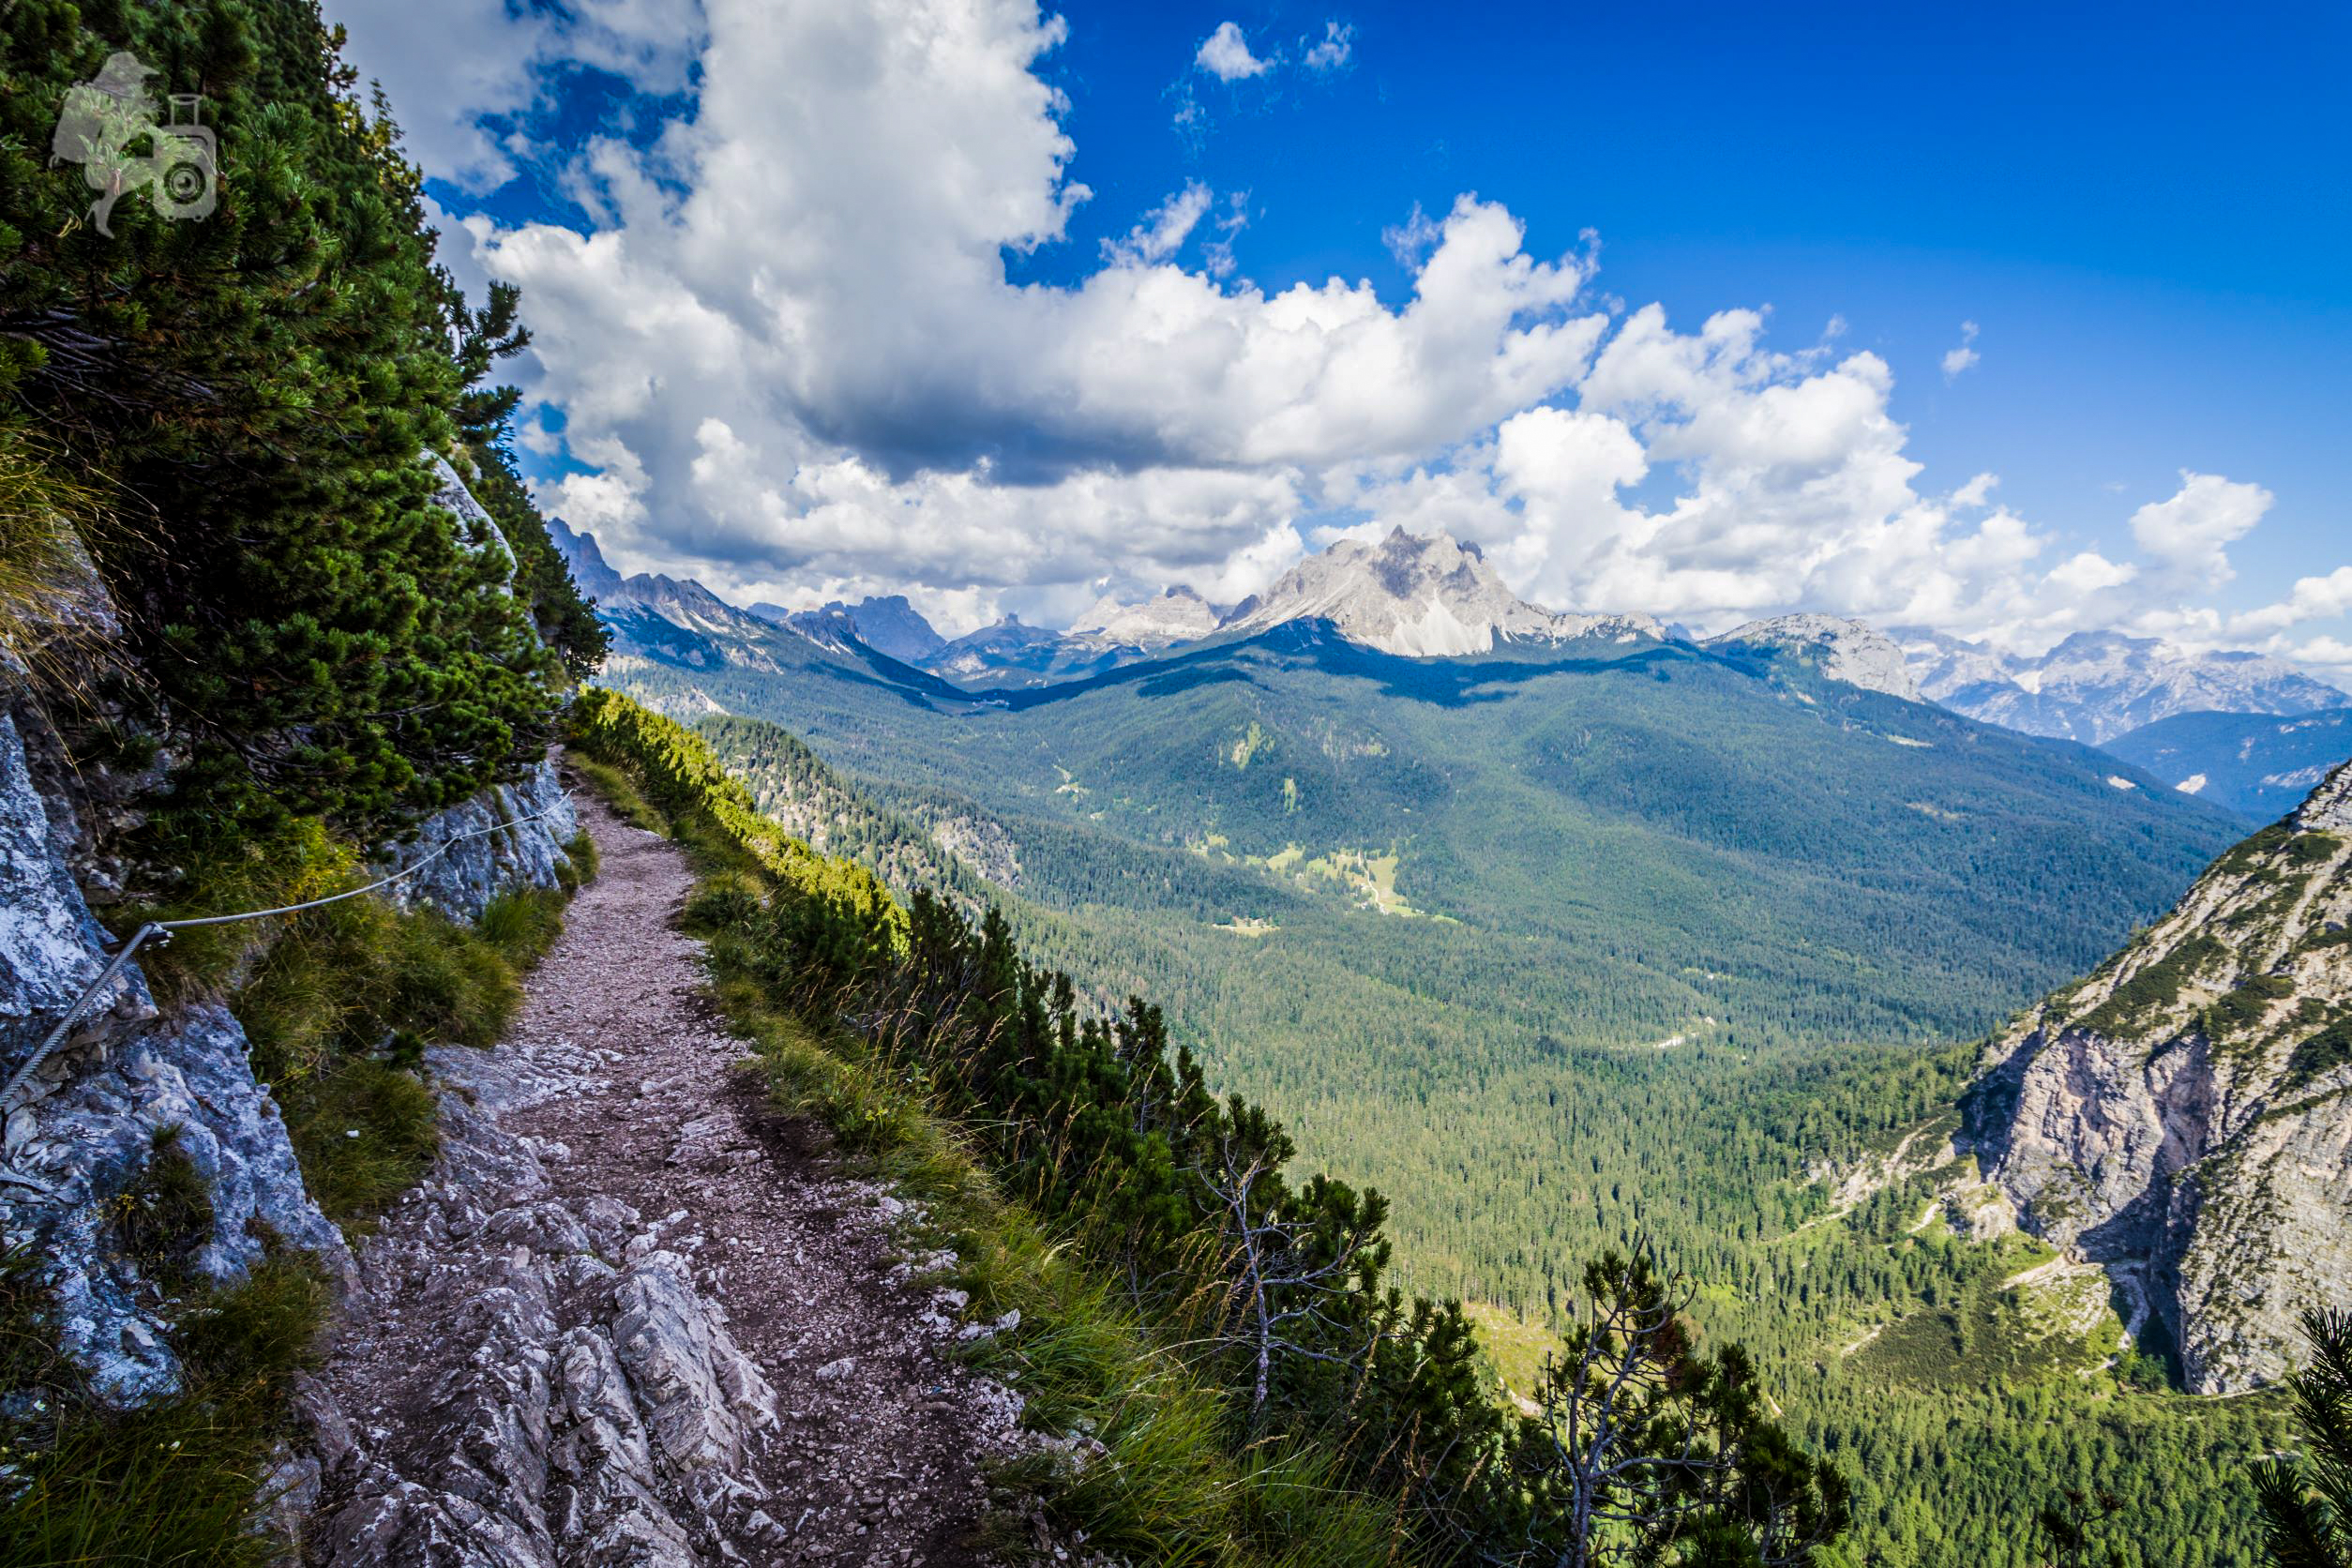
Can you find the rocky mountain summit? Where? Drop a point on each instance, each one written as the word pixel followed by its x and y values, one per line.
pixel 1424 596
pixel 1845 650
pixel 2183 1118
pixel 888 625
pixel 2098 685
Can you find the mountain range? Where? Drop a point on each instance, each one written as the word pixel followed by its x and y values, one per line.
pixel 2148 702
pixel 2097 686
pixel 1597 926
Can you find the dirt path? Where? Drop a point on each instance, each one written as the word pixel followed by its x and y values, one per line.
pixel 635 1316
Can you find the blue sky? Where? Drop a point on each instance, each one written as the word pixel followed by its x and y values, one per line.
pixel 1040 305
pixel 2147 209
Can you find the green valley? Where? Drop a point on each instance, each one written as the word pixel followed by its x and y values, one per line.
pixel 1673 979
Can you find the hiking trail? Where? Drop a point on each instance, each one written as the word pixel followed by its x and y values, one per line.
pixel 634 1314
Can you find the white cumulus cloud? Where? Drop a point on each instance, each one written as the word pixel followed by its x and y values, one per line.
pixel 2191 534
pixel 789 357
pixel 1225 55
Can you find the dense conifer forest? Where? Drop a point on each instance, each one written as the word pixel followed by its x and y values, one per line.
pixel 1417 1056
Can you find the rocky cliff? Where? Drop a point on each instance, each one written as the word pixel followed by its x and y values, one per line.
pixel 85 1126
pixel 2183 1118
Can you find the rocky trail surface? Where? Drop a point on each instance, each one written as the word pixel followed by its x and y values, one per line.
pixel 633 1316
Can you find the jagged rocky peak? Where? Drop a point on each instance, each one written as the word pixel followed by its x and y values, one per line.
pixel 681 601
pixel 595 578
pixel 1421 595
pixel 2098 685
pixel 889 625
pixel 2329 809
pixel 1849 651
pixel 2183 1118
pixel 1176 614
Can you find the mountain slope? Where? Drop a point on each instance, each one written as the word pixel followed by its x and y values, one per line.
pixel 2098 685
pixel 1441 1061
pixel 1734 837
pixel 2260 764
pixel 2184 1117
pixel 1846 651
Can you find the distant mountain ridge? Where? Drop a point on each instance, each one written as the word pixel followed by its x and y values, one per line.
pixel 1849 651
pixel 1422 596
pixel 2096 686
pixel 1433 596
pixel 888 625
pixel 1176 615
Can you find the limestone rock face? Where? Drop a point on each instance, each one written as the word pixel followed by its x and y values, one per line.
pixel 601 1412
pixel 50 945
pixel 504 838
pixel 475 526
pixel 2183 1118
pixel 1847 651
pixel 85 1123
pixel 90 1138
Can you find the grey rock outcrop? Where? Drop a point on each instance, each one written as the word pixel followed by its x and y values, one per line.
pixel 90 1138
pixel 1847 651
pixel 50 948
pixel 475 526
pixel 507 838
pixel 2183 1118
pixel 598 1409
pixel 85 1124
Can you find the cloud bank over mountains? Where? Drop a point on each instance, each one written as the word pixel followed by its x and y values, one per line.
pixel 788 359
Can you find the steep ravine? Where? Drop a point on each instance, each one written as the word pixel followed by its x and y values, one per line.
pixel 632 1315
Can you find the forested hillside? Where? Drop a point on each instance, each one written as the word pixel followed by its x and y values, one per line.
pixel 1888 1332
pixel 1676 836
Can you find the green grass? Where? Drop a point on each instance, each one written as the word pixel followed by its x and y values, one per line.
pixel 522 925
pixel 1517 1347
pixel 160 1220
pixel 619 791
pixel 394 1114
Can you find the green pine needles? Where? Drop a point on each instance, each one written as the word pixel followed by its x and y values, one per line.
pixel 252 389
pixel 2307 1502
